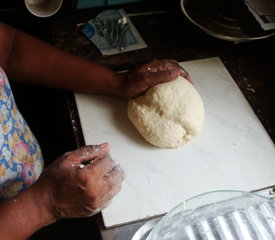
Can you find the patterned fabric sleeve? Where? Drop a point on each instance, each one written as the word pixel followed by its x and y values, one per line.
pixel 21 161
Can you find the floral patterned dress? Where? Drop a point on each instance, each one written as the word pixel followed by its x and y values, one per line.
pixel 21 160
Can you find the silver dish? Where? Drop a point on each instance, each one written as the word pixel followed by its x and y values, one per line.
pixel 224 19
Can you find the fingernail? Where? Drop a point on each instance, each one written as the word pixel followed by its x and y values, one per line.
pixel 103 146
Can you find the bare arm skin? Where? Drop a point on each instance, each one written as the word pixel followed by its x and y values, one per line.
pixel 30 60
pixel 78 184
pixel 27 59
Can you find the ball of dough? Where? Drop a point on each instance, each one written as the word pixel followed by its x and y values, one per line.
pixel 169 114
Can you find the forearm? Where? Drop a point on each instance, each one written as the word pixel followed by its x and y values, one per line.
pixel 77 184
pixel 30 60
pixel 33 61
pixel 21 216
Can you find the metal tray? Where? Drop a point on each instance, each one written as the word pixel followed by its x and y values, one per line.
pixel 227 20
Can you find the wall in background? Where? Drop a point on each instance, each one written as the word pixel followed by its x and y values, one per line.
pixel 80 4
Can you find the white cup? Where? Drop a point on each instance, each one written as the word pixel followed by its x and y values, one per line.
pixel 43 8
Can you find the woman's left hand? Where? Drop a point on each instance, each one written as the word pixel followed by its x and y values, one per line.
pixel 139 80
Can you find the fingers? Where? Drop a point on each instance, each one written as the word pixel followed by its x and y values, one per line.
pixel 161 62
pixel 112 182
pixel 187 77
pixel 108 177
pixel 106 170
pixel 185 74
pixel 108 173
pixel 86 154
pixel 165 70
pixel 100 166
pixel 161 65
pixel 116 171
pixel 182 71
pixel 162 76
pixel 92 158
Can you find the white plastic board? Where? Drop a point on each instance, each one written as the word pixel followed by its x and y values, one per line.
pixel 233 151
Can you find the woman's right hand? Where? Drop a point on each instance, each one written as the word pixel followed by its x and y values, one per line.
pixel 140 79
pixel 79 183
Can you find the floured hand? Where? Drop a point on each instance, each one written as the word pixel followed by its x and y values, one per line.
pixel 139 80
pixel 79 183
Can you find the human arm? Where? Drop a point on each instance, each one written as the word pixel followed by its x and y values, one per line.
pixel 78 184
pixel 30 60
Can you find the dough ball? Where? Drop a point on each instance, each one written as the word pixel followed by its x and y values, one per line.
pixel 169 114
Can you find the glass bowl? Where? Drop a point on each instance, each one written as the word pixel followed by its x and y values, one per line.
pixel 219 215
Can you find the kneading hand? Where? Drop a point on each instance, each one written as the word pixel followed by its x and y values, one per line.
pixel 138 80
pixel 79 183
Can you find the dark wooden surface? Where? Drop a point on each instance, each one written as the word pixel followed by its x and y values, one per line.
pixel 168 35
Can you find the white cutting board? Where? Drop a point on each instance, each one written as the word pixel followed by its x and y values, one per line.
pixel 232 152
